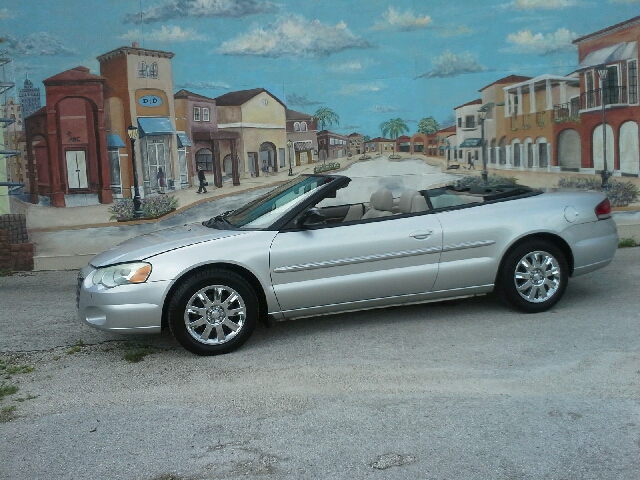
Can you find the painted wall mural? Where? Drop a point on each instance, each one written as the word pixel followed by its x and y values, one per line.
pixel 233 85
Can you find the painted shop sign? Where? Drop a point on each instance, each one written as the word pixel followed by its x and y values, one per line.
pixel 150 101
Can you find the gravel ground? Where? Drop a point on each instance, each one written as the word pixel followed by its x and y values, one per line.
pixel 464 390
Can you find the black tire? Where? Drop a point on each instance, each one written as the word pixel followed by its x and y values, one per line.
pixel 534 276
pixel 213 312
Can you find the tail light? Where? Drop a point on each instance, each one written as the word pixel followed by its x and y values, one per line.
pixel 603 209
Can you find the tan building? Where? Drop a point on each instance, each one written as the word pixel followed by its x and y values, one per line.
pixel 139 93
pixel 14 142
pixel 380 145
pixel 258 118
pixel 302 132
pixel 530 112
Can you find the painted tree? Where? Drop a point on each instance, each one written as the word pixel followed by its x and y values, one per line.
pixel 394 128
pixel 326 116
pixel 428 125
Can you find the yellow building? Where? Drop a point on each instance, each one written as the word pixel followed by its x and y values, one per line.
pixel 259 118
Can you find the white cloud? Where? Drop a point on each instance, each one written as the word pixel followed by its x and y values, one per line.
pixel 387 109
pixel 451 65
pixel 175 9
pixel 526 41
pixel 346 67
pixel 165 34
pixel 301 100
pixel 209 85
pixel 5 14
pixel 353 89
pixel 294 36
pixel 458 31
pixel 36 44
pixel 543 4
pixel 395 20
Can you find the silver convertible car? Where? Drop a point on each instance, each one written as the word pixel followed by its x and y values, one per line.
pixel 312 246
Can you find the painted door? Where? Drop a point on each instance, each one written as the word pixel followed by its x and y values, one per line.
pixel 76 169
pixel 368 263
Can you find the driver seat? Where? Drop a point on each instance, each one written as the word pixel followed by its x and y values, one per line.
pixel 380 204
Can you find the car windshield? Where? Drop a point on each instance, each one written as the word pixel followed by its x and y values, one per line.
pixel 265 210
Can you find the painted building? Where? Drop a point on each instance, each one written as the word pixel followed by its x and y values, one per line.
pixel 403 144
pixel 332 145
pixel 468 131
pixel 442 143
pixel 196 117
pixel 302 132
pixel 495 128
pixel 380 145
pixel 14 141
pixel 356 143
pixel 258 119
pixel 29 98
pixel 534 110
pixel 419 143
pixel 67 142
pixel 139 93
pixel 614 50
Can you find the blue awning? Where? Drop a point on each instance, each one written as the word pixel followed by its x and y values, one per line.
pixel 155 126
pixel 471 143
pixel 183 140
pixel 114 141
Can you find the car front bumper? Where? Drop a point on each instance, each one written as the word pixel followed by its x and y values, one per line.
pixel 125 308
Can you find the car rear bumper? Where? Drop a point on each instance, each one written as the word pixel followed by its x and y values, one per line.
pixel 593 244
pixel 125 309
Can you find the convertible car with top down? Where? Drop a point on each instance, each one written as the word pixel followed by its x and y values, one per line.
pixel 315 246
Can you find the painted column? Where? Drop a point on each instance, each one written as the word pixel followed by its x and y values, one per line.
pixel 234 163
pixel 217 169
pixel 520 105
pixel 532 98
pixel 56 161
pixel 547 91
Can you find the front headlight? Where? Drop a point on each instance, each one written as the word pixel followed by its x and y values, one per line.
pixel 123 274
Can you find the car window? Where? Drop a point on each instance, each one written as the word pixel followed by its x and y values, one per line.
pixel 267 209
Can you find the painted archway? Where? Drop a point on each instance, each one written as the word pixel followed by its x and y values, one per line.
pixel 569 149
pixel 515 148
pixel 628 148
pixel 268 157
pixel 598 151
pixel 542 150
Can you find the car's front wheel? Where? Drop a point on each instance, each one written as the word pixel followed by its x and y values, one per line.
pixel 534 276
pixel 213 312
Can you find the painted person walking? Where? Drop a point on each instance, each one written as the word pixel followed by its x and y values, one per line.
pixel 202 179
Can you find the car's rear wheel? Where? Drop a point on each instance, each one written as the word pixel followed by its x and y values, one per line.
pixel 213 312
pixel 534 276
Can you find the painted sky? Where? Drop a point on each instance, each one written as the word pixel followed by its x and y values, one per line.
pixel 367 60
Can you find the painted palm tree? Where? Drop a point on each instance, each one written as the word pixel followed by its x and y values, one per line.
pixel 394 128
pixel 326 116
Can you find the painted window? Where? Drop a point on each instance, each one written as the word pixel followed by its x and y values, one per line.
pixel 633 81
pixel 296 127
pixel 142 70
pixel 303 126
pixel 153 70
pixel 205 114
pixel 196 114
pixel 204 159
pixel 591 97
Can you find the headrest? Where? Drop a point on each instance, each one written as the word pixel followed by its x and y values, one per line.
pixel 382 200
pixel 406 200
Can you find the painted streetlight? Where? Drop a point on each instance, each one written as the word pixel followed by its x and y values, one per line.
pixel 289 145
pixel 602 73
pixel 133 135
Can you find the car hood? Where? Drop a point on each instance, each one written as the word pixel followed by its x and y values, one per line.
pixel 155 243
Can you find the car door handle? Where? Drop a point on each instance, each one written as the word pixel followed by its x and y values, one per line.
pixel 421 235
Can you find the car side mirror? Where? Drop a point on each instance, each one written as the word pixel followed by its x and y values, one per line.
pixel 311 218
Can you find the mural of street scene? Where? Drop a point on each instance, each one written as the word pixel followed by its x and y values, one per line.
pixel 106 101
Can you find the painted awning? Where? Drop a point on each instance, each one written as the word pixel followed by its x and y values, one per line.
pixel 303 146
pixel 610 54
pixel 114 141
pixel 183 140
pixel 471 143
pixel 155 126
